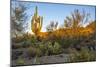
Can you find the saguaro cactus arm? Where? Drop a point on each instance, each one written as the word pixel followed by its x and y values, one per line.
pixel 41 22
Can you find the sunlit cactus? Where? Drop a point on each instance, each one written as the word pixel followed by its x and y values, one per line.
pixel 36 23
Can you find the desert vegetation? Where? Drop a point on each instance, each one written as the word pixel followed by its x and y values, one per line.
pixel 72 42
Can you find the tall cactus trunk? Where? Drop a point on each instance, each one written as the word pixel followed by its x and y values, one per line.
pixel 36 23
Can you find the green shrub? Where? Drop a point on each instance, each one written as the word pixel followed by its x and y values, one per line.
pixel 38 52
pixel 57 48
pixel 16 46
pixel 26 44
pixel 87 55
pixel 49 48
pixel 65 42
pixel 43 49
pixel 53 49
pixel 20 61
pixel 83 55
pixel 33 40
pixel 33 52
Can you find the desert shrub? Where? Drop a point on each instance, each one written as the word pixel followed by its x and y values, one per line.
pixel 16 54
pixel 87 55
pixel 33 40
pixel 33 52
pixel 39 52
pixel 72 52
pixel 49 48
pixel 64 42
pixel 46 48
pixel 17 39
pixel 57 48
pixel 43 48
pixel 26 44
pixel 16 46
pixel 53 48
pixel 20 61
pixel 83 55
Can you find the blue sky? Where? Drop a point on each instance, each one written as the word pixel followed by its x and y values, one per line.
pixel 55 12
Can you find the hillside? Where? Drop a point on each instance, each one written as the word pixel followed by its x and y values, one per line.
pixel 76 44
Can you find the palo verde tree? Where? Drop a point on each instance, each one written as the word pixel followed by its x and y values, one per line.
pixel 52 26
pixel 76 19
pixel 18 18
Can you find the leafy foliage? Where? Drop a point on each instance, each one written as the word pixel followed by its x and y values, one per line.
pixel 20 61
pixel 52 26
pixel 18 19
pixel 76 19
pixel 33 51
pixel 83 55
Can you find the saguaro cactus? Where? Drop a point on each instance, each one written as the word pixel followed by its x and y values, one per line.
pixel 36 23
